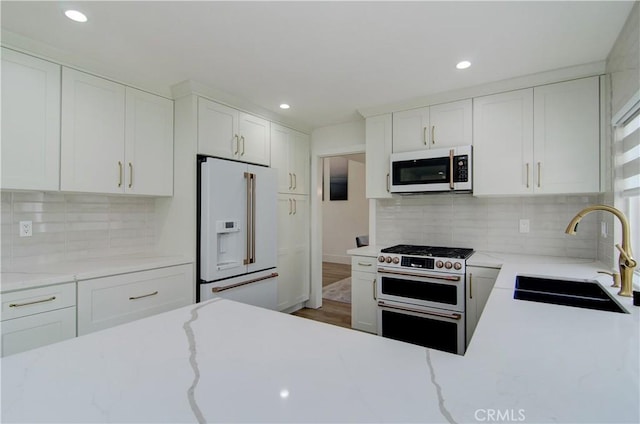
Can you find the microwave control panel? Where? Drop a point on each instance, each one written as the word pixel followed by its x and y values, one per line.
pixel 461 168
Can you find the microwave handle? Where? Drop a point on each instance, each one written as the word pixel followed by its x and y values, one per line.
pixel 451 154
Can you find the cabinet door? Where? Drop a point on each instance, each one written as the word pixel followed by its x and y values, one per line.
pixel 148 144
pixel 451 124
pixel 280 150
pixel 108 301
pixel 480 282
pixel 92 147
pixel 411 130
pixel 567 137
pixel 30 123
pixel 30 332
pixel 503 143
pixel 378 151
pixel 254 139
pixel 299 161
pixel 217 130
pixel 364 307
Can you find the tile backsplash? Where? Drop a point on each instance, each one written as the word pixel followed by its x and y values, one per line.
pixel 489 224
pixel 74 226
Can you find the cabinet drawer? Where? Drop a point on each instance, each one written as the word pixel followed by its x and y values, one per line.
pixel 33 331
pixel 34 301
pixel 105 302
pixel 363 264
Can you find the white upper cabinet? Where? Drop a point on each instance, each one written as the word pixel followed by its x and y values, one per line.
pixel 228 133
pixel 444 125
pixel 92 149
pixel 542 140
pixel 566 137
pixel 30 122
pixel 148 144
pixel 115 139
pixel 503 143
pixel 290 156
pixel 378 150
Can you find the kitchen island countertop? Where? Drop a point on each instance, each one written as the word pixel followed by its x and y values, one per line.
pixel 223 361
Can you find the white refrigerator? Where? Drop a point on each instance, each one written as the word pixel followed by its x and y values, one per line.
pixel 238 232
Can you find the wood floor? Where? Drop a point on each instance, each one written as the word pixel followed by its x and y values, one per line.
pixel 331 312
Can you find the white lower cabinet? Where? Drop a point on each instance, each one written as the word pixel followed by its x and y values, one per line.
pixel 38 317
pixel 109 301
pixel 480 282
pixel 293 251
pixel 364 305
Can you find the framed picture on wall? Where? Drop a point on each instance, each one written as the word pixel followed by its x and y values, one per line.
pixel 338 178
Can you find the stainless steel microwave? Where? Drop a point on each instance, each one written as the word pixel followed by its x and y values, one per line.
pixel 443 170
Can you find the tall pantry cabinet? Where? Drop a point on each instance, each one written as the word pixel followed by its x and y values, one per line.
pixel 290 156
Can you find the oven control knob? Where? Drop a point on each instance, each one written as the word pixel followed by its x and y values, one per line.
pixel 396 260
pixel 457 265
pixel 380 258
pixel 388 259
pixel 448 265
pixel 439 264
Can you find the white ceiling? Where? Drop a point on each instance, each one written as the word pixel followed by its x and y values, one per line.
pixel 327 59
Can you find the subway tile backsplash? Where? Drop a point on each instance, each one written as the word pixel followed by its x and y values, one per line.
pixel 489 224
pixel 74 226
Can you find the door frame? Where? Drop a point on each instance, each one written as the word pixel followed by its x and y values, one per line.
pixel 315 295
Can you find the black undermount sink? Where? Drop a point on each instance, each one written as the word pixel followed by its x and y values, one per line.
pixel 577 293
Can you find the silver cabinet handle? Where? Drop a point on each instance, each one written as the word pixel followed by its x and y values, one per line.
pixel 290 181
pixel 144 295
pixel 388 184
pixel 290 206
pixel 242 139
pixel 235 152
pixel 470 286
pixel 17 305
pixel 424 135
pixel 364 264
pixel 433 134
pixel 295 181
pixel 527 174
pixel 538 174
pixel 130 174
pixel 119 174
pixel 375 284
pixel 295 206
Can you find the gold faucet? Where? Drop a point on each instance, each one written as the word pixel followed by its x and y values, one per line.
pixel 625 261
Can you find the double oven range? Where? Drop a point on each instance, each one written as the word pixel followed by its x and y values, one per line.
pixel 421 295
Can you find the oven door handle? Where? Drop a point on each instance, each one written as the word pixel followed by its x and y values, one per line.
pixel 415 274
pixel 454 316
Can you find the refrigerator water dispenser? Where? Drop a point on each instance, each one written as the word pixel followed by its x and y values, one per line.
pixel 229 244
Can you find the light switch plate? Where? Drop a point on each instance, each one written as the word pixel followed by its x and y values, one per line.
pixel 524 225
pixel 26 229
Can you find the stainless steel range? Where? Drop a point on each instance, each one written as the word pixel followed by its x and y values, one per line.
pixel 421 295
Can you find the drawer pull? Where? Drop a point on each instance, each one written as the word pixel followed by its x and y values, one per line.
pixel 144 295
pixel 364 264
pixel 17 305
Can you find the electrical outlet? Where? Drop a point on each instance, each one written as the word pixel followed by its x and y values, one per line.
pixel 524 225
pixel 26 229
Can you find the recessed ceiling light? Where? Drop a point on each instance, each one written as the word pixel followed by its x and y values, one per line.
pixel 74 15
pixel 284 106
pixel 463 65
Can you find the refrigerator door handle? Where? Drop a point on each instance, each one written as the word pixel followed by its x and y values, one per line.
pixel 252 258
pixel 249 228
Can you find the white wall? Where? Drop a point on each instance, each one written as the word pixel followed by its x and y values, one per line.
pixel 343 220
pixel 488 224
pixel 623 67
pixel 337 136
pixel 75 226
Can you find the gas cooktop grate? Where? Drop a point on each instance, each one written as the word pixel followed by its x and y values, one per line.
pixel 436 251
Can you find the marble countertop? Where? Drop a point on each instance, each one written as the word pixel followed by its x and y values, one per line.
pixel 20 278
pixel 223 361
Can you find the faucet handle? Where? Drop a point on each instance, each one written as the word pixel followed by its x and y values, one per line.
pixel 630 262
pixel 615 275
